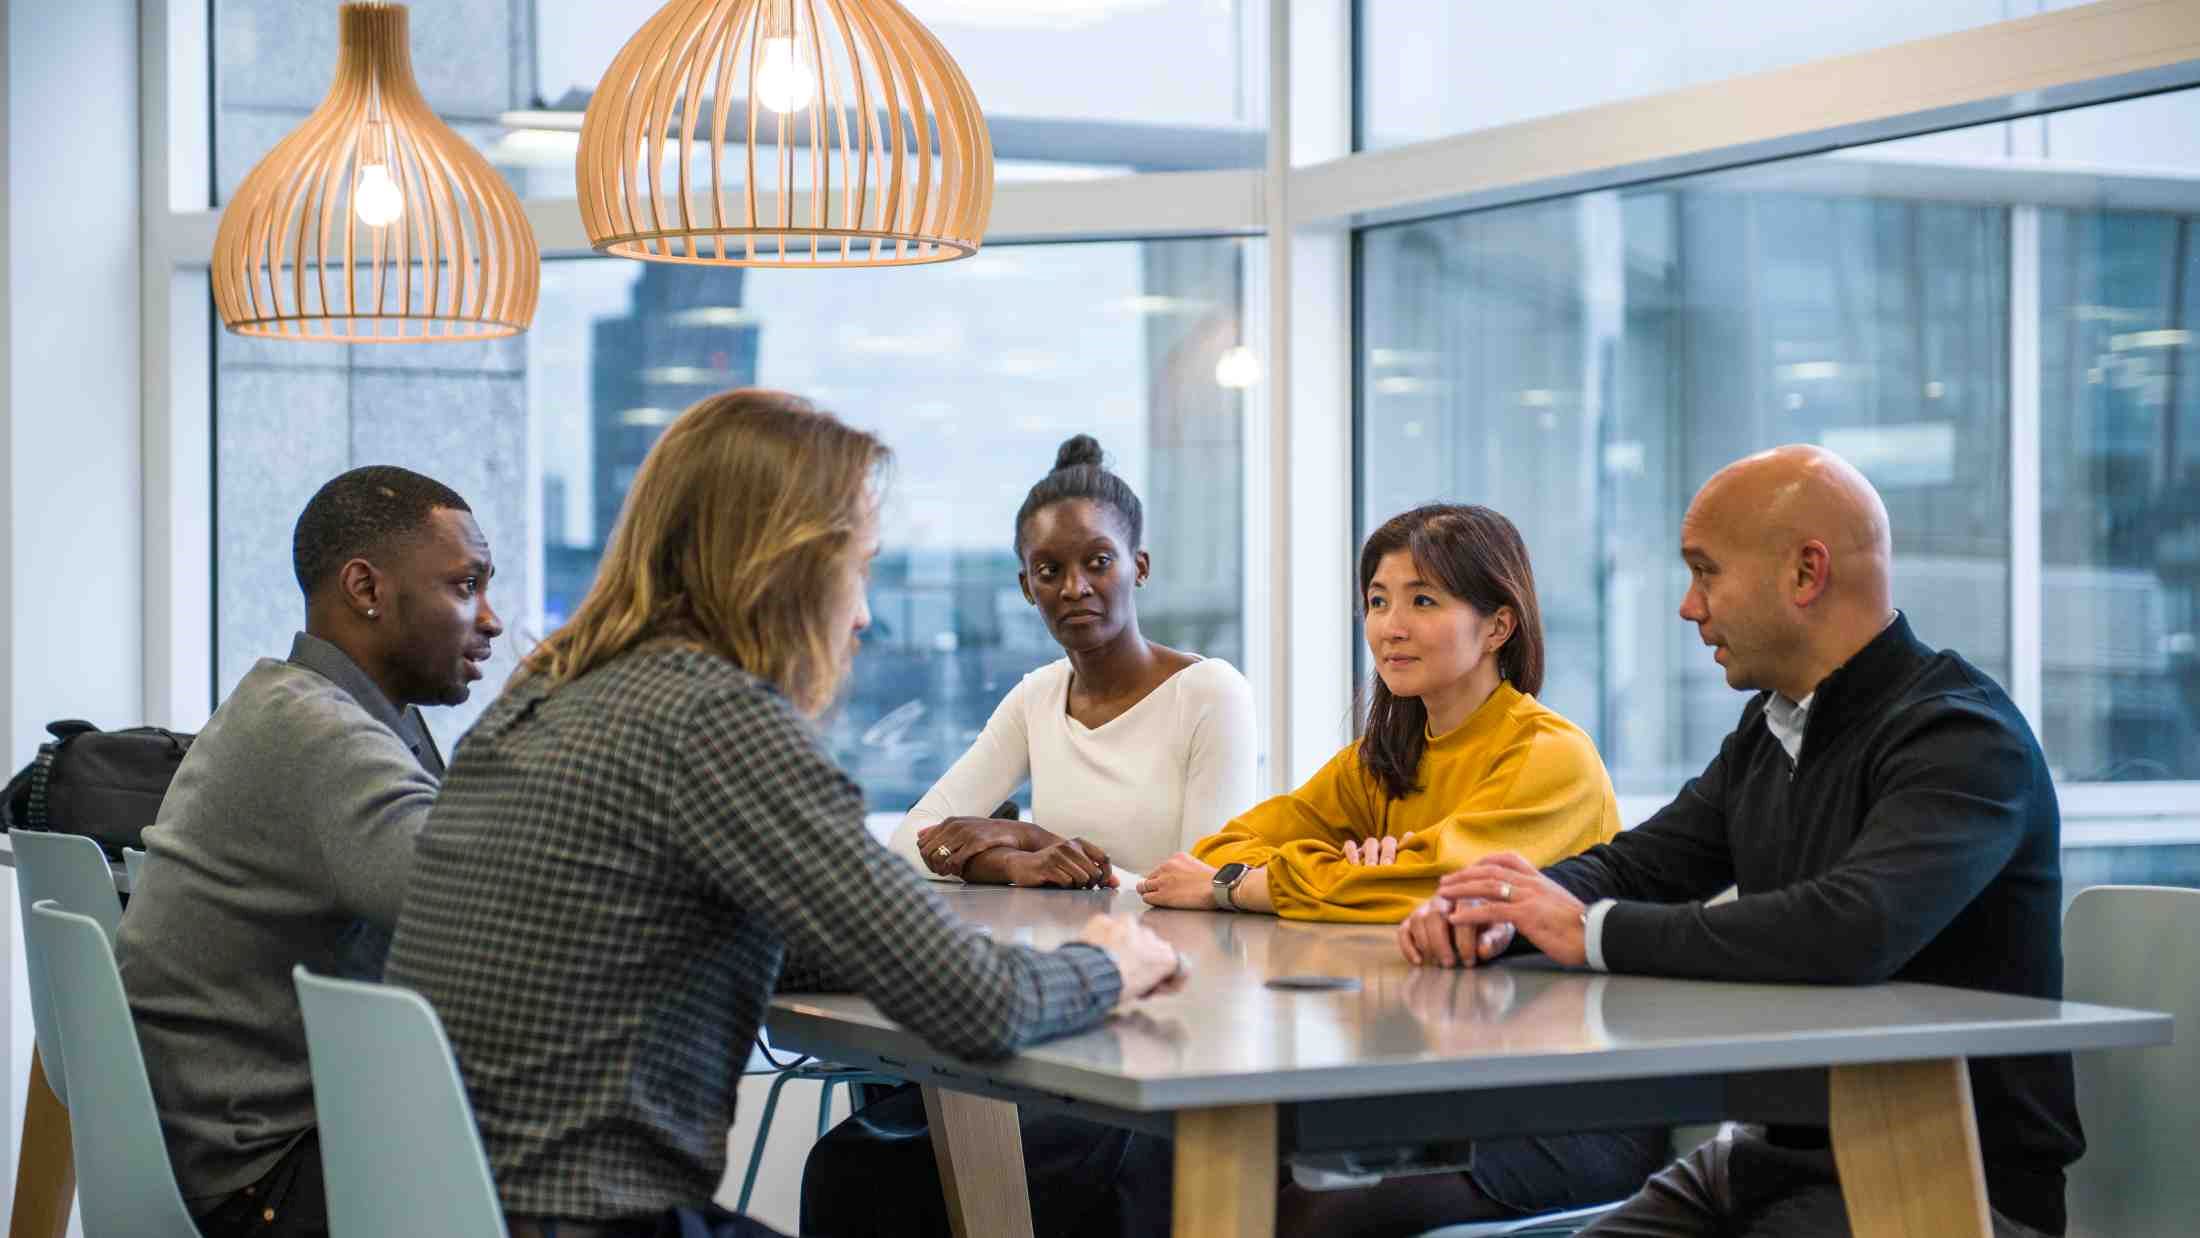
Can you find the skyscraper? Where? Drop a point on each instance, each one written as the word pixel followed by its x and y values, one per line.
pixel 686 336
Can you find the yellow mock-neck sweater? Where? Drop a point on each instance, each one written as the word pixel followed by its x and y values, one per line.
pixel 1513 777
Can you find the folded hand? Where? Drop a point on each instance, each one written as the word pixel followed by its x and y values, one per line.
pixel 1373 851
pixel 949 845
pixel 1428 938
pixel 1072 863
pixel 1506 890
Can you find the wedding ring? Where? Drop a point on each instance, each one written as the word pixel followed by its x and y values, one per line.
pixel 943 851
pixel 1504 891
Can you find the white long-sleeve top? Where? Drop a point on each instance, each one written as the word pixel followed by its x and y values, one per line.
pixel 1142 786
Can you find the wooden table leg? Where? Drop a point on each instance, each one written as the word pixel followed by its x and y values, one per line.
pixel 45 1169
pixel 980 1147
pixel 1906 1141
pixel 1226 1172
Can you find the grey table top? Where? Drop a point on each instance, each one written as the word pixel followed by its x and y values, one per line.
pixel 1230 1039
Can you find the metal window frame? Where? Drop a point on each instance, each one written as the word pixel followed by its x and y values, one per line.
pixel 1307 202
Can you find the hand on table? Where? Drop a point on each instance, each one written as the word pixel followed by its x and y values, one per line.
pixel 1428 938
pixel 1505 893
pixel 1181 882
pixel 1149 965
pixel 1372 852
pixel 1072 863
pixel 948 846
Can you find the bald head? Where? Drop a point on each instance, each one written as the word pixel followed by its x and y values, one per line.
pixel 1799 493
pixel 1792 557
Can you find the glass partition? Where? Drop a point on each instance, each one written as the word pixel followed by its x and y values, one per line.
pixel 973 372
pixel 1585 363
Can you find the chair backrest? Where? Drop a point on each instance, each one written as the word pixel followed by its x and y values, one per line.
pixel 2132 946
pixel 133 864
pixel 126 1187
pixel 400 1154
pixel 72 871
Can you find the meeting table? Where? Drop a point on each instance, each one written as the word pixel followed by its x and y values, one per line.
pixel 1318 1043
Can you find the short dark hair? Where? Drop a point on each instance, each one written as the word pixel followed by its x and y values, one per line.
pixel 359 513
pixel 1080 473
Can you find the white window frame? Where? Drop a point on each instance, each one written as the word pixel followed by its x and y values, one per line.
pixel 1306 203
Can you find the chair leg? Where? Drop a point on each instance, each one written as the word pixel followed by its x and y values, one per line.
pixel 763 1131
pixel 45 1171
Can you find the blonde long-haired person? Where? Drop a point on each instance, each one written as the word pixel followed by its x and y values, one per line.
pixel 643 837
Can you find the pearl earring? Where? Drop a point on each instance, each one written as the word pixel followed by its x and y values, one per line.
pixel 372 612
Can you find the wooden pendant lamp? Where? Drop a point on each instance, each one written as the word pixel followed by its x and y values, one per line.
pixel 785 133
pixel 372 222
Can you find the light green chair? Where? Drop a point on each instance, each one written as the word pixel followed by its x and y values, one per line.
pixel 400 1154
pixel 72 872
pixel 2132 946
pixel 126 1187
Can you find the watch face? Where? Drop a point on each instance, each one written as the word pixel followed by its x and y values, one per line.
pixel 1229 873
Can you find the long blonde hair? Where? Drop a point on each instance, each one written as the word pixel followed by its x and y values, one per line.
pixel 732 538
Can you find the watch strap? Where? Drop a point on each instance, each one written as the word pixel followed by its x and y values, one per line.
pixel 1225 892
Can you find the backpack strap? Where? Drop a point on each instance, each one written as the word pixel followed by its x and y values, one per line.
pixel 34 809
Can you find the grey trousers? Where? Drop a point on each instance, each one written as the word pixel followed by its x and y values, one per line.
pixel 1740 1186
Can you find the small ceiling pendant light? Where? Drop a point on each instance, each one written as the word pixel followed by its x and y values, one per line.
pixel 786 133
pixel 372 222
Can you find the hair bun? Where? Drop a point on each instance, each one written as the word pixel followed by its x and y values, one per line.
pixel 1078 450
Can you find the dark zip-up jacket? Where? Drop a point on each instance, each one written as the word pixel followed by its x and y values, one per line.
pixel 1916 838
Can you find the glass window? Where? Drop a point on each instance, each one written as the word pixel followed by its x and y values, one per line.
pixel 1165 62
pixel 1429 70
pixel 973 371
pixel 1584 363
pixel 274 61
pixel 513 77
pixel 2120 493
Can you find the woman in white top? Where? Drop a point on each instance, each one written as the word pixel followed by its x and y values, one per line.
pixel 1134 750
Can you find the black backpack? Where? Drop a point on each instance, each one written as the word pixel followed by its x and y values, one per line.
pixel 105 785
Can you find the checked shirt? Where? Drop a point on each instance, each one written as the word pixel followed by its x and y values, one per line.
pixel 617 874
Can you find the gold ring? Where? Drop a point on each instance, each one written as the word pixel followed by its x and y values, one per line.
pixel 943 851
pixel 1504 891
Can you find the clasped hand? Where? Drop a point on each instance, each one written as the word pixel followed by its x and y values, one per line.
pixel 1478 910
pixel 1036 857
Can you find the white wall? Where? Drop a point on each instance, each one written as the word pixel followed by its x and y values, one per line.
pixel 71 621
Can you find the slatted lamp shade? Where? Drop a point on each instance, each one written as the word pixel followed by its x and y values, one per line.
pixel 372 222
pixel 785 133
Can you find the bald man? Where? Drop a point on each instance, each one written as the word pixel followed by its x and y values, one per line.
pixel 1885 813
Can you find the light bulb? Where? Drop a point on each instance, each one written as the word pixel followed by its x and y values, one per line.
pixel 1238 368
pixel 376 198
pixel 783 83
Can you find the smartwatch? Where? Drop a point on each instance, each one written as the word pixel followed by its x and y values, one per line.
pixel 1226 883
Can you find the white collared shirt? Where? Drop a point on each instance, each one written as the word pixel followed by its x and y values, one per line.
pixel 1786 720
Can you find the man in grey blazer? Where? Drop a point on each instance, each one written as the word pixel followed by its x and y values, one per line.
pixel 287 837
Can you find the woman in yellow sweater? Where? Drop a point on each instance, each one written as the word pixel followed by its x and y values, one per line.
pixel 1457 758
